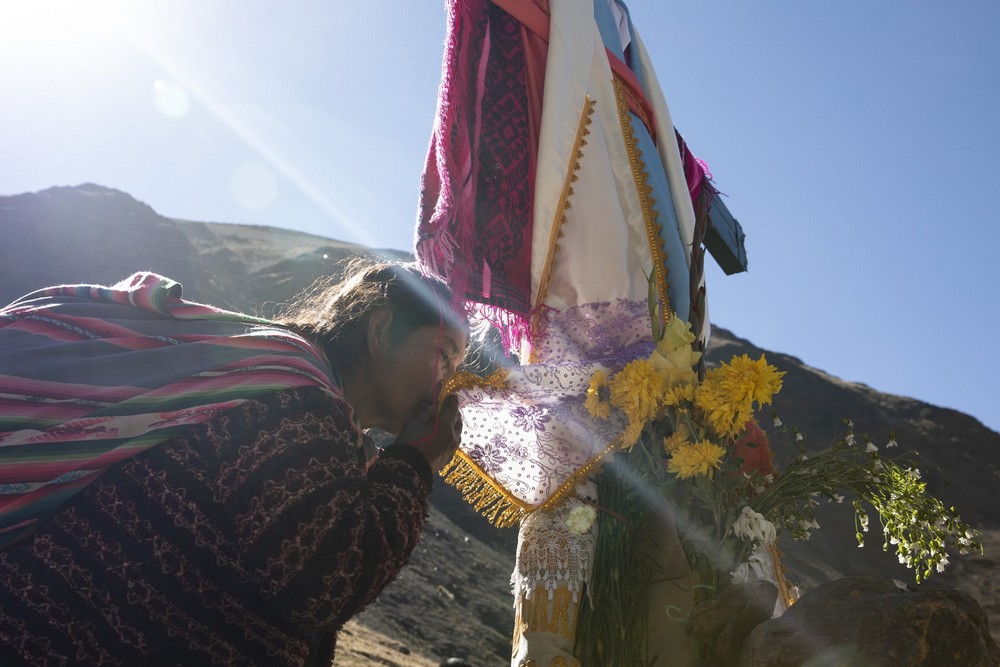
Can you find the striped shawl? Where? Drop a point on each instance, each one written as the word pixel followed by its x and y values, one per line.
pixel 91 376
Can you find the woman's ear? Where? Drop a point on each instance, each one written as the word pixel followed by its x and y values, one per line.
pixel 379 323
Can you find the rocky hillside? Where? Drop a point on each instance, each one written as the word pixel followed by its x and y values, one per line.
pixel 453 599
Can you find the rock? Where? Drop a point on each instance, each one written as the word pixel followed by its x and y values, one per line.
pixel 860 622
pixel 721 624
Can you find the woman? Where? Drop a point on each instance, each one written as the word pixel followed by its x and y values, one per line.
pixel 184 485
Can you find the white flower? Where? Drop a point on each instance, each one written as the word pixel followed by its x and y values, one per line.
pixel 752 525
pixel 891 443
pixel 839 498
pixel 777 422
pixel 870 447
pixel 798 437
pixel 741 574
pixel 850 439
pixel 580 519
pixel 755 568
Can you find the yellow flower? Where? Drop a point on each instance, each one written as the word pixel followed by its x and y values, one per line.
pixel 598 396
pixel 679 438
pixel 680 393
pixel 748 380
pixel 723 414
pixel 728 393
pixel 637 389
pixel 700 458
pixel 631 435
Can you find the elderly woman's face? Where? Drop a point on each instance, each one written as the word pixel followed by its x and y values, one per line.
pixel 413 369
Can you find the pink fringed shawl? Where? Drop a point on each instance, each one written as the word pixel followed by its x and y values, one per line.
pixel 475 221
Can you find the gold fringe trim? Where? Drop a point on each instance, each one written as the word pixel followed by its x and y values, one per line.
pixel 575 155
pixel 486 495
pixel 490 498
pixel 641 177
pixel 502 508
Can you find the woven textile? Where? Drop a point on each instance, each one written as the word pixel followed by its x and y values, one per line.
pixel 91 376
pixel 248 539
pixel 610 209
pixel 475 196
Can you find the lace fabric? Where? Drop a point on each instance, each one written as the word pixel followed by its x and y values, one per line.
pixel 549 555
pixel 533 435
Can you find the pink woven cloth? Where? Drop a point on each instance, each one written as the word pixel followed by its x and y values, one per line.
pixel 475 223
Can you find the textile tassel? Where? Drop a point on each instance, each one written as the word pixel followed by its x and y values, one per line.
pixel 512 326
pixel 437 252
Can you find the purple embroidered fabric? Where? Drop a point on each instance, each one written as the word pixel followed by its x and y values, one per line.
pixel 533 435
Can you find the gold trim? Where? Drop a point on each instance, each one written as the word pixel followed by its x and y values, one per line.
pixel 784 592
pixel 554 612
pixel 636 105
pixel 466 380
pixel 641 177
pixel 486 495
pixel 579 476
pixel 502 508
pixel 559 218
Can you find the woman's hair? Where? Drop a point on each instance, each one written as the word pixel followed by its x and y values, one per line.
pixel 334 311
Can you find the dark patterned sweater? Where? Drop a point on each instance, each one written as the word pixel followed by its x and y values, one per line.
pixel 249 540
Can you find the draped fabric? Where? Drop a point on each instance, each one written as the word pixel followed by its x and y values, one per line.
pixel 610 211
pixel 91 376
pixel 618 211
pixel 475 201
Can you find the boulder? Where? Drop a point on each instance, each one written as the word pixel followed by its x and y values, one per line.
pixel 720 625
pixel 862 622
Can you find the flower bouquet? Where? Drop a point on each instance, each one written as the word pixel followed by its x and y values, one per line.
pixel 692 444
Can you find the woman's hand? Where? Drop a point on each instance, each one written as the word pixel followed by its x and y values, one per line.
pixel 436 434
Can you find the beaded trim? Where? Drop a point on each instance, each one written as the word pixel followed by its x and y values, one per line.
pixel 586 117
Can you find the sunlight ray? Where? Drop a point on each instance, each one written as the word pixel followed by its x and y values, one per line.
pixel 246 133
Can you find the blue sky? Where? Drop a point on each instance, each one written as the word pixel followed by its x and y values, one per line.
pixel 856 143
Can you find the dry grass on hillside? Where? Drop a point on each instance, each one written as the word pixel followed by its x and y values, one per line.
pixel 358 646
